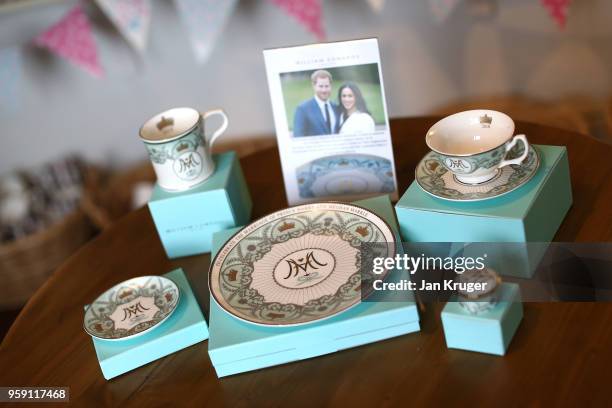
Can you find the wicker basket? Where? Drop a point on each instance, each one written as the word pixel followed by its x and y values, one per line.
pixel 27 263
pixel 113 194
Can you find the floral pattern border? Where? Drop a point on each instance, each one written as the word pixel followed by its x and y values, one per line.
pixel 307 174
pixel 159 153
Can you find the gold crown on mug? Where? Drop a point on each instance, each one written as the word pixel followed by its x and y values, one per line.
pixel 182 146
pixel 486 120
pixel 164 122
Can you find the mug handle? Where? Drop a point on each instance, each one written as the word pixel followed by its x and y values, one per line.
pixel 510 145
pixel 218 132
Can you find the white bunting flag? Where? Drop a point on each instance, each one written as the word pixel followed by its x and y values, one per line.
pixel 132 19
pixel 205 20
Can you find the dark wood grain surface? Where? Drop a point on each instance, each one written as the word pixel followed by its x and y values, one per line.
pixel 561 354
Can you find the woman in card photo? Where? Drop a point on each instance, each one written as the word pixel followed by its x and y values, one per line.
pixel 354 116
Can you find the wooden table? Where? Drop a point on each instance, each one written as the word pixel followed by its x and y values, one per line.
pixel 561 353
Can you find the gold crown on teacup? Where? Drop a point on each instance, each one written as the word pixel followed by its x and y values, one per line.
pixel 486 120
pixel 164 122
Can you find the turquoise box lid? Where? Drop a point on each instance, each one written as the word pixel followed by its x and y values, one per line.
pixel 515 204
pixel 531 213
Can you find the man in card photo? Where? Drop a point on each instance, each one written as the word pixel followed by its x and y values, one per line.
pixel 317 115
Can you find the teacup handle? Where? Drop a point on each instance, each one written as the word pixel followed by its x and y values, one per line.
pixel 210 140
pixel 509 147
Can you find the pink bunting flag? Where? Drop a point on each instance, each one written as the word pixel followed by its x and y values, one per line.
pixel 441 9
pixel 558 10
pixel 308 12
pixel 131 17
pixel 71 38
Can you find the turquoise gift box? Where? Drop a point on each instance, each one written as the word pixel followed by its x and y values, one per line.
pixel 531 213
pixel 186 326
pixel 236 346
pixel 186 220
pixel 488 332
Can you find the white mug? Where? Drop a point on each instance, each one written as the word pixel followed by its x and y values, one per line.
pixel 179 148
pixel 473 145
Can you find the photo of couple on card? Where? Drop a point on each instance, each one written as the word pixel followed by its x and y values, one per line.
pixel 345 101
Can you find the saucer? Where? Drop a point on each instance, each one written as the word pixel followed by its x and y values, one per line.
pixel 131 308
pixel 348 174
pixel 298 265
pixel 436 180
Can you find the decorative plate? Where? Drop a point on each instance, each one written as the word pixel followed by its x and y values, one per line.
pixel 131 308
pixel 298 265
pixel 436 180
pixel 351 174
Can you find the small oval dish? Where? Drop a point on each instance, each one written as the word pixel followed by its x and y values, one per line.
pixel 131 308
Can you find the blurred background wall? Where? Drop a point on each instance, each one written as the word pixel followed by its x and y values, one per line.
pixel 516 49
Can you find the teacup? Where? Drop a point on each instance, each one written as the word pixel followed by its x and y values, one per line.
pixel 473 145
pixel 178 147
pixel 479 300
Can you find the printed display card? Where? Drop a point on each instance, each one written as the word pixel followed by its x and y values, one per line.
pixel 331 121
